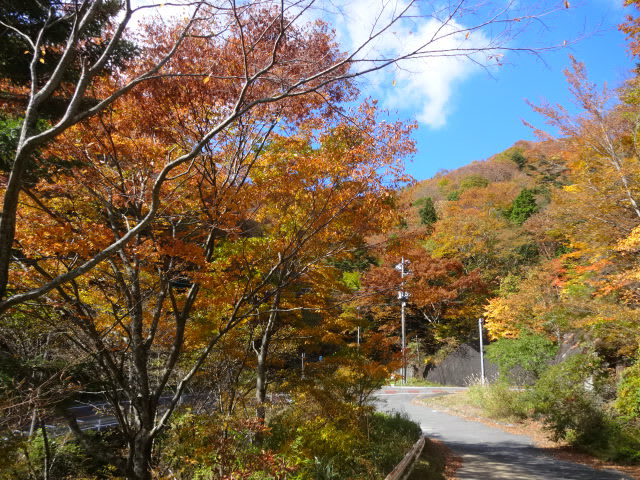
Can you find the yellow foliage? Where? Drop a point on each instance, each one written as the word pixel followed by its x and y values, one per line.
pixel 498 319
pixel 631 243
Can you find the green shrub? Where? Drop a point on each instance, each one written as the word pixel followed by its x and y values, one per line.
pixel 342 445
pixel 390 437
pixel 323 469
pixel 473 181
pixel 567 398
pixel 624 444
pixel 499 401
pixel 454 196
pixel 628 398
pixel 519 159
pixel 24 458
pixel 570 400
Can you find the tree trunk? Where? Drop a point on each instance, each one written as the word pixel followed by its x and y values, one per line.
pixel 261 354
pixel 261 382
pixel 47 451
pixel 8 216
pixel 140 456
pixel 32 426
pixel 261 367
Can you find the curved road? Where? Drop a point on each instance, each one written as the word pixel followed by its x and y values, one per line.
pixel 487 453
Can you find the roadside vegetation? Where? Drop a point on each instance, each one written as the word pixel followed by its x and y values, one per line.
pixel 576 401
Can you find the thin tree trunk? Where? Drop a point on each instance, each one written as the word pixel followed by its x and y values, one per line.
pixel 34 420
pixel 261 383
pixel 262 353
pixel 47 451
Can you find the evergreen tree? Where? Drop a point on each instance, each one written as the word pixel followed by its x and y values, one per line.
pixel 523 206
pixel 29 16
pixel 519 159
pixel 428 213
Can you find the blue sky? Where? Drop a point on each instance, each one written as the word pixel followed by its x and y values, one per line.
pixel 465 113
pixel 483 113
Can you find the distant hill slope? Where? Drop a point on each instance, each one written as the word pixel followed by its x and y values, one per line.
pixel 526 164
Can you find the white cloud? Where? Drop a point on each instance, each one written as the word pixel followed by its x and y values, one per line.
pixel 424 86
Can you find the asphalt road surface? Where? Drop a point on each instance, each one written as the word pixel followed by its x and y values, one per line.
pixel 487 453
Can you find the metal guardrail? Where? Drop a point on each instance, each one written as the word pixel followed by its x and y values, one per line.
pixel 405 467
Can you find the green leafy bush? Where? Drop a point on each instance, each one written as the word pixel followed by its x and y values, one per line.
pixel 390 437
pixel 499 400
pixel 567 398
pixel 473 181
pixel 351 443
pixel 519 159
pixel 454 196
pixel 23 458
pixel 571 400
pixel 628 399
pixel 526 356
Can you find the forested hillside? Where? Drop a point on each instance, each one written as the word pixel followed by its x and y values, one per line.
pixel 542 241
pixel 548 227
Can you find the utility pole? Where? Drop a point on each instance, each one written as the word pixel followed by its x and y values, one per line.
pixel 403 296
pixel 482 379
pixel 358 337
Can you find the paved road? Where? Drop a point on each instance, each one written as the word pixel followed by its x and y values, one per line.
pixel 487 453
pixel 96 415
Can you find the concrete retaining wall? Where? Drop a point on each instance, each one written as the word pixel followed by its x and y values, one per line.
pixel 459 366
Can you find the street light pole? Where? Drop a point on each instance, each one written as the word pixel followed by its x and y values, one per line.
pixel 404 343
pixel 482 379
pixel 402 295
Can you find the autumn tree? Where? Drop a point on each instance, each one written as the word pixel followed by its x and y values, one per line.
pixel 272 57
pixel 312 205
pixel 239 237
pixel 632 28
pixel 587 284
pixel 444 300
pixel 475 230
